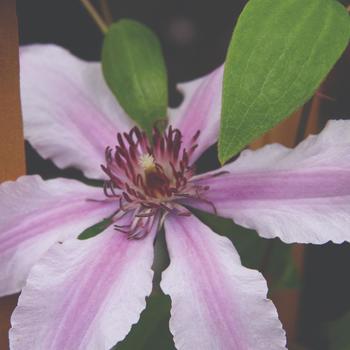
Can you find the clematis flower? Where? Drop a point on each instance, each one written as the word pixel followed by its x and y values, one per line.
pixel 86 294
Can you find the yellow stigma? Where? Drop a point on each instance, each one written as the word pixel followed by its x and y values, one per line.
pixel 146 161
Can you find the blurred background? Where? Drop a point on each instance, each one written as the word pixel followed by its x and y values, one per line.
pixel 195 35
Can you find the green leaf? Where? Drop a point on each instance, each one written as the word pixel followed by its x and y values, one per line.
pixel 279 54
pixel 152 331
pixel 271 255
pixel 134 68
pixel 249 245
pixel 281 267
pixel 95 229
pixel 338 333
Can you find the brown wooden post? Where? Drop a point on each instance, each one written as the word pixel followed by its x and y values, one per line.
pixel 12 161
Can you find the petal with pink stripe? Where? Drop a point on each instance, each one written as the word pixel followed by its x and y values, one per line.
pixel 300 195
pixel 35 214
pixel 69 113
pixel 84 295
pixel 216 302
pixel 200 111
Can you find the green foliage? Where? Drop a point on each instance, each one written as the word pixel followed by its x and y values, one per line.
pixel 134 68
pixel 338 333
pixel 151 332
pixel 250 246
pixel 96 229
pixel 281 267
pixel 279 54
pixel 273 257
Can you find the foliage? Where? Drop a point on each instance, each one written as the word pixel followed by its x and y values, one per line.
pixel 96 229
pixel 134 68
pixel 151 332
pixel 279 54
pixel 272 257
pixel 338 333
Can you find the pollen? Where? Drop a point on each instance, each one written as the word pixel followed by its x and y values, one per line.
pixel 146 161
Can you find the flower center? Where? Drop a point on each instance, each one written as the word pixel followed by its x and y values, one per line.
pixel 149 178
pixel 146 161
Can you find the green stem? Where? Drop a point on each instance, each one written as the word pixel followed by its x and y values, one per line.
pixel 101 24
pixel 106 12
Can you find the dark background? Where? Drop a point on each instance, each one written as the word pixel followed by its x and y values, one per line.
pixel 195 35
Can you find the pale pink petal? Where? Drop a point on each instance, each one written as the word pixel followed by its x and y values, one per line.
pixel 216 302
pixel 84 295
pixel 69 113
pixel 35 214
pixel 300 195
pixel 200 111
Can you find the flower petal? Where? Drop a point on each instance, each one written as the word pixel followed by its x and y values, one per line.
pixel 69 113
pixel 300 195
pixel 34 215
pixel 84 295
pixel 216 302
pixel 200 111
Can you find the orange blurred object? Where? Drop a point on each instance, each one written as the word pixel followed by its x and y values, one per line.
pixel 11 135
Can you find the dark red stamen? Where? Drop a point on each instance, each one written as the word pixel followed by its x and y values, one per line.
pixel 149 177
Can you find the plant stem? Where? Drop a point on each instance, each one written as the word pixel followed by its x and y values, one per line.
pixel 106 12
pixel 95 16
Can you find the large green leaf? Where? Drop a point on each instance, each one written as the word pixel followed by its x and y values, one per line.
pixel 280 52
pixel 134 68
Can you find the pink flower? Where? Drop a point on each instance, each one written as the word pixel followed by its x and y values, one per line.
pixel 87 294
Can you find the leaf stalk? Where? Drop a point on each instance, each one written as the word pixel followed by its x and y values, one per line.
pixel 101 24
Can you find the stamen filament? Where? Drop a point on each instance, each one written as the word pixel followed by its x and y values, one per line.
pixel 150 179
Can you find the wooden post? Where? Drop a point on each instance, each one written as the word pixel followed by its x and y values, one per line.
pixel 12 161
